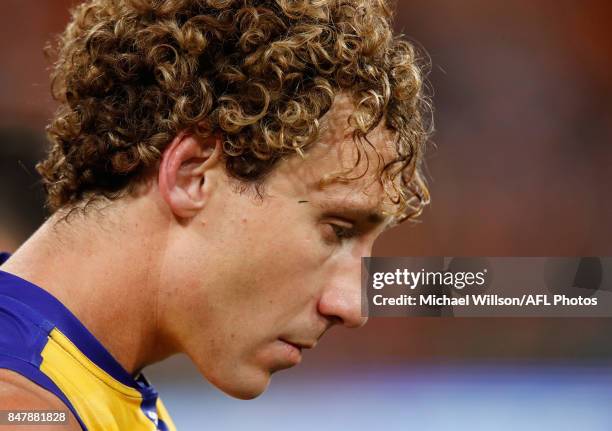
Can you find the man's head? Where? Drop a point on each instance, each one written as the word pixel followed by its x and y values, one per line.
pixel 275 139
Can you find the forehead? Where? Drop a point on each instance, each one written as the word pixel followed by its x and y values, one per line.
pixel 337 133
pixel 338 170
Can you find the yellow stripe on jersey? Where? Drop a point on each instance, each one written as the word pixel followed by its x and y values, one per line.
pixel 102 403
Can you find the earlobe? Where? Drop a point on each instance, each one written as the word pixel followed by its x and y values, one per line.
pixel 184 171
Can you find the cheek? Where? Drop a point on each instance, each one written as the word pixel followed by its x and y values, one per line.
pixel 259 270
pixel 274 277
pixel 277 246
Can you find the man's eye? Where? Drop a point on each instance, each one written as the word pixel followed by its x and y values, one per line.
pixel 343 232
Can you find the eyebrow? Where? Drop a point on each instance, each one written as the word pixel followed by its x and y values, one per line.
pixel 356 210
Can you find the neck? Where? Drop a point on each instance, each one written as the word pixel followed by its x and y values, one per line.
pixel 107 274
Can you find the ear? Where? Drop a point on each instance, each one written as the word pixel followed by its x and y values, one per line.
pixel 184 171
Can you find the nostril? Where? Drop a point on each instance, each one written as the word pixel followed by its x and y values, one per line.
pixel 335 320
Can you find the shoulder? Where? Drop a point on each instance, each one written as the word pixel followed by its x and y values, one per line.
pixel 19 393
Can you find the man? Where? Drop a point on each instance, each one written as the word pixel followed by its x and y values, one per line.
pixel 217 171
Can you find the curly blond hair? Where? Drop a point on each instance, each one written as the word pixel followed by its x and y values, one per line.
pixel 131 74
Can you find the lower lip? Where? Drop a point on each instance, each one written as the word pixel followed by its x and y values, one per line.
pixel 293 353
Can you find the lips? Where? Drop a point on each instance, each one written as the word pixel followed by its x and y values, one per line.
pixel 298 345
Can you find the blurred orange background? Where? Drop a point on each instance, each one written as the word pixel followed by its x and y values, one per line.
pixel 521 164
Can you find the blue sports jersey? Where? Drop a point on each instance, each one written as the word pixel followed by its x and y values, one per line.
pixel 43 341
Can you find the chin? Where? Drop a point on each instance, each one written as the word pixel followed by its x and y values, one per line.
pixel 246 393
pixel 243 384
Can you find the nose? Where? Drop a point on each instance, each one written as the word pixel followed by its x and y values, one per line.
pixel 341 298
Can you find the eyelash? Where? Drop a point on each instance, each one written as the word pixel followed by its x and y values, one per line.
pixel 342 232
